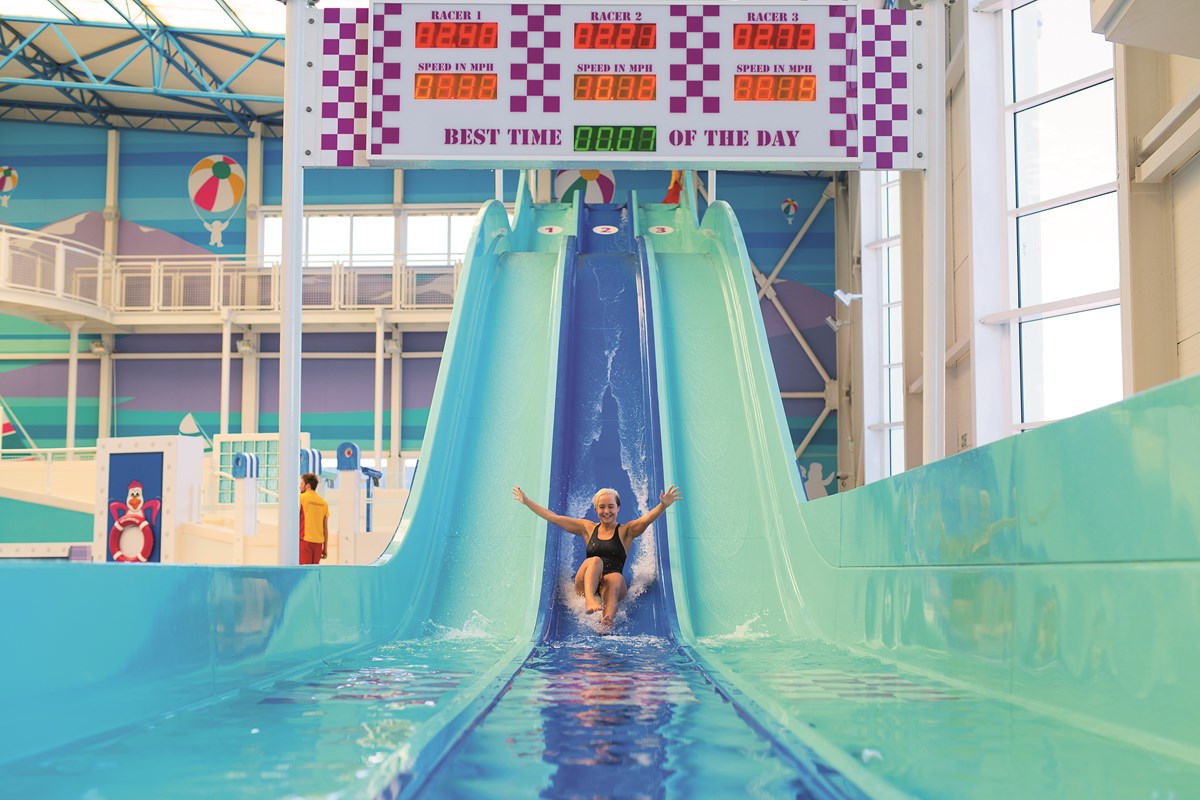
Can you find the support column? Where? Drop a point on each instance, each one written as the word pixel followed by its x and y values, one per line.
pixel 1149 323
pixel 112 219
pixel 378 443
pixel 72 381
pixel 226 337
pixel 395 462
pixel 933 362
pixel 399 239
pixel 991 396
pixel 248 349
pixel 105 391
pixel 254 170
pixel 847 388
pixel 294 120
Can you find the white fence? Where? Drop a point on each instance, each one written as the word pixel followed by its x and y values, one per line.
pixel 53 266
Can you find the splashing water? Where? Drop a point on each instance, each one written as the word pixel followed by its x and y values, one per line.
pixel 741 633
pixel 475 627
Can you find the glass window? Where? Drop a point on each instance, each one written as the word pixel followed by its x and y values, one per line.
pixel 1064 149
pixel 1053 45
pixel 891 207
pixel 895 335
pixel 427 235
pixel 1070 364
pixel 328 236
pixel 895 383
pixel 272 239
pixel 461 227
pixel 893 274
pixel 374 235
pixel 896 450
pixel 1066 145
pixel 438 238
pixel 1068 251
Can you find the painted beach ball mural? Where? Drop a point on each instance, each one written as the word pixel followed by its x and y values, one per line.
pixel 8 182
pixel 216 184
pixel 597 185
pixel 789 208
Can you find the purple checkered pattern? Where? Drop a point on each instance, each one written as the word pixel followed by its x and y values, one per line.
pixel 343 98
pixel 843 80
pixel 886 90
pixel 695 78
pixel 385 76
pixel 530 73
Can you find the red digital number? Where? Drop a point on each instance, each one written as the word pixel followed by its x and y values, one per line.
pixel 765 36
pixel 457 35
pixel 615 36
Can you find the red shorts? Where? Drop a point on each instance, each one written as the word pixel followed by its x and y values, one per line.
pixel 310 552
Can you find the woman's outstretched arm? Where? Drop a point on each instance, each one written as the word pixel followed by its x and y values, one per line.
pixel 639 525
pixel 568 524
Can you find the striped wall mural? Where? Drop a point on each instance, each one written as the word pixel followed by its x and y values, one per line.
pixel 154 190
pixel 61 172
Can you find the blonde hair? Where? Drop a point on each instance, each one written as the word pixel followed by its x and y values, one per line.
pixel 613 492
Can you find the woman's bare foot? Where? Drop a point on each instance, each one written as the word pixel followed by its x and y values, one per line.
pixel 590 604
pixel 606 621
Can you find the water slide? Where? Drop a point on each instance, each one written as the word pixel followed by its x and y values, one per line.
pixel 130 659
pixel 960 631
pixel 1010 622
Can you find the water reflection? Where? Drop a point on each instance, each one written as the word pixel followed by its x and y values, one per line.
pixel 619 717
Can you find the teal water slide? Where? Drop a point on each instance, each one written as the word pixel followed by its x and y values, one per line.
pixel 1016 621
pixel 103 654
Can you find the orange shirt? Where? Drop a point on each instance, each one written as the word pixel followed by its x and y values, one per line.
pixel 314 511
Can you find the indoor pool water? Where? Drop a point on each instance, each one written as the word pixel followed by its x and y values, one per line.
pixel 329 733
pixel 621 717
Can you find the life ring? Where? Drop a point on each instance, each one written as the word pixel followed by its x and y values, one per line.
pixel 114 538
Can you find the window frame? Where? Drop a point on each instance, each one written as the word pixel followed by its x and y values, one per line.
pixel 1017 314
pixel 879 420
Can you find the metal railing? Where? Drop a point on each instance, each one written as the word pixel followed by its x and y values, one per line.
pixel 53 266
pixel 50 265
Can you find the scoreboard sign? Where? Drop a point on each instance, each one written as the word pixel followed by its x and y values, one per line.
pixel 713 85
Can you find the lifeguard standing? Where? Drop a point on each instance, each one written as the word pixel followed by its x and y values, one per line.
pixel 314 521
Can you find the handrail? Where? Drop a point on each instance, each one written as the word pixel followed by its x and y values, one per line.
pixel 40 264
pixel 48 454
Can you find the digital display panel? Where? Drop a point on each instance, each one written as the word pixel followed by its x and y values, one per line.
pixel 458 35
pixel 615 138
pixel 775 88
pixel 616 87
pixel 455 86
pixel 769 36
pixel 616 36
pixel 645 84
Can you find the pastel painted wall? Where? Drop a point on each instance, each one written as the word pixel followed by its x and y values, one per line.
pixel 153 189
pixel 36 388
pixel 60 172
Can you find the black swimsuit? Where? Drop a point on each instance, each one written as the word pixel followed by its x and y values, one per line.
pixel 611 551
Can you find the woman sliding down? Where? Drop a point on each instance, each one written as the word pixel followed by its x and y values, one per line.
pixel 607 545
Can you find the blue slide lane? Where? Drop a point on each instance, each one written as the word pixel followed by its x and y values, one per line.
pixel 630 714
